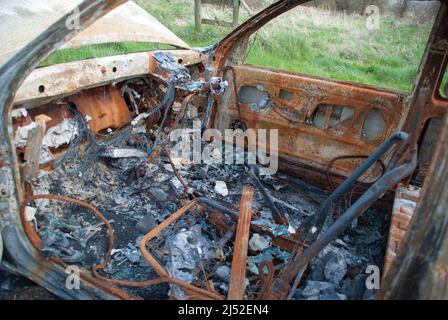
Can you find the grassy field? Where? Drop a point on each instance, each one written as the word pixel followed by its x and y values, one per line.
pixel 307 40
pixel 99 50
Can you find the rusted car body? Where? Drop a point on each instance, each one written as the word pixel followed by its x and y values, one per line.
pixel 326 130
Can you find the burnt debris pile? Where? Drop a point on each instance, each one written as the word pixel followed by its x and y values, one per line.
pixel 136 195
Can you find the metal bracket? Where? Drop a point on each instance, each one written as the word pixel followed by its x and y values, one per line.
pixel 440 47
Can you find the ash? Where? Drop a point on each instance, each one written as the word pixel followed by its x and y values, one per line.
pixel 135 195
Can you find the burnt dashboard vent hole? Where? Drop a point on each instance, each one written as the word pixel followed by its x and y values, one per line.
pixel 254 96
pixel 374 125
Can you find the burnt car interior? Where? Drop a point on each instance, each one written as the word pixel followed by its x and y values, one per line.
pixel 88 176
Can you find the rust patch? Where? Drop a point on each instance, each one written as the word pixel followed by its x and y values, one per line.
pixel 105 106
pixel 238 274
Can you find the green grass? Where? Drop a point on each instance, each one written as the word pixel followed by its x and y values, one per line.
pixel 444 84
pixel 340 47
pixel 305 40
pixel 100 50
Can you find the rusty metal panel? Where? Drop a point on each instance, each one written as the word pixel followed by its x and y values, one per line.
pixel 48 83
pixel 24 20
pixel 290 102
pixel 238 274
pixel 57 80
pixel 105 107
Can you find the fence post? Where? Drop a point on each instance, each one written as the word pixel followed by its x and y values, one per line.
pixel 236 12
pixel 197 16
